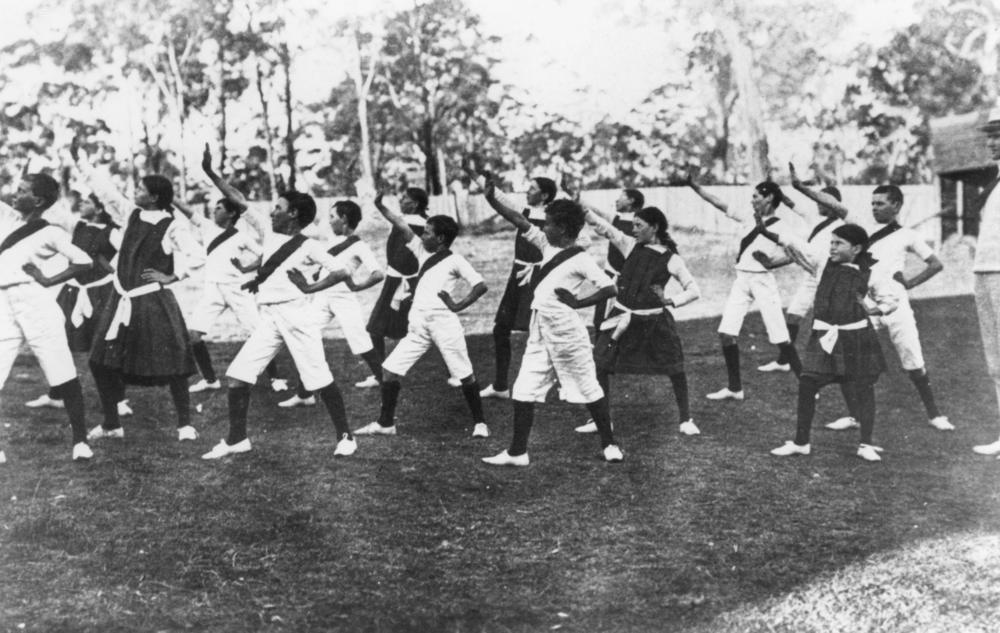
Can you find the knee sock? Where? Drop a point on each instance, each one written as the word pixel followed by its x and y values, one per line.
pixel 182 399
pixel 378 342
pixel 600 411
pixel 72 395
pixel 204 361
pixel 793 333
pixel 239 404
pixel 501 349
pixel 119 388
pixel 524 416
pixel 471 393
pixel 300 389
pixel 863 395
pixel 106 380
pixel 850 400
pixel 787 350
pixel 732 355
pixel 334 402
pixel 271 369
pixel 390 395
pixel 373 359
pixel 680 384
pixel 922 381
pixel 54 393
pixel 806 410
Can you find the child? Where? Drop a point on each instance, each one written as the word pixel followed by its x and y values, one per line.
pixel 558 346
pixel 28 312
pixel 286 318
pixel 339 301
pixel 432 318
pixel 844 347
pixel 639 336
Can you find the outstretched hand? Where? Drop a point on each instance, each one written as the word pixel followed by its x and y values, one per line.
pixel 35 273
pixel 206 159
pixel 489 190
pixel 378 198
pixel 691 176
pixel 796 182
pixel 566 182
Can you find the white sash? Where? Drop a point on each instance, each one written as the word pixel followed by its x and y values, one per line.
pixel 123 313
pixel 828 340
pixel 620 322
pixel 82 307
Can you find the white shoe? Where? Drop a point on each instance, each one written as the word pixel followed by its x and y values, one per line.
pixel 123 409
pixel 589 427
pixel 987 449
pixel 81 451
pixel 45 401
pixel 374 428
pixel 454 382
pixel 774 366
pixel 100 433
pixel 3 457
pixel 204 385
pixel 481 430
pixel 941 423
pixel 368 383
pixel 279 384
pixel 296 401
pixel 725 394
pixel 490 392
pixel 613 454
pixel 869 453
pixel 346 446
pixel 506 459
pixel 790 448
pixel 186 433
pixel 689 428
pixel 222 449
pixel 842 424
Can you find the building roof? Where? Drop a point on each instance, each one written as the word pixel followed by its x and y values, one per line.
pixel 959 144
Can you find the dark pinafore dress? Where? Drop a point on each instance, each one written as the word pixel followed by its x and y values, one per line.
pixel 96 242
pixel 154 346
pixel 857 354
pixel 615 260
pixel 387 320
pixel 650 344
pixel 514 311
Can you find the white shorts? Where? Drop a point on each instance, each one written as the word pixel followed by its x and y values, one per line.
pixel 558 350
pixel 29 313
pixel 440 329
pixel 347 311
pixel 747 289
pixel 805 295
pixel 295 324
pixel 902 327
pixel 215 298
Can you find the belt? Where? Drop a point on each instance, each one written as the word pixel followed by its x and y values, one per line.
pixel 403 291
pixel 123 313
pixel 523 271
pixel 620 322
pixel 82 307
pixel 828 340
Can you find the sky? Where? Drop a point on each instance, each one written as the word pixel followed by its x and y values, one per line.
pixel 582 58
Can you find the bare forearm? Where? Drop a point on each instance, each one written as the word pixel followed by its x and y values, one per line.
pixel 601 294
pixel 709 198
pixel 70 272
pixel 330 280
pixel 374 278
pixel 822 198
pixel 934 266
pixel 477 291
pixel 509 214
pixel 230 192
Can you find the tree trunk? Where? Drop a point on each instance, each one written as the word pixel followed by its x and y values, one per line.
pixel 268 136
pixel 432 179
pixel 222 111
pixel 286 62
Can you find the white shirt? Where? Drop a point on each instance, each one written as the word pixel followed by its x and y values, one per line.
pixel 572 274
pixel 890 251
pixel 746 261
pixel 308 258
pixel 357 256
pixel 218 267
pixel 988 243
pixel 38 248
pixel 444 275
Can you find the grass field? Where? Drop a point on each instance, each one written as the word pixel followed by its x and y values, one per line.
pixel 413 533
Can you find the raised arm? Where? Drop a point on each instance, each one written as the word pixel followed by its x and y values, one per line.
pixel 818 197
pixel 115 203
pixel 395 218
pixel 505 211
pixel 690 181
pixel 230 192
pixel 607 230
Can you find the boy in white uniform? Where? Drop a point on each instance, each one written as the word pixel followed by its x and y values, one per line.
pixel 433 320
pixel 558 347
pixel 340 302
pixel 754 283
pixel 28 311
pixel 889 246
pixel 287 318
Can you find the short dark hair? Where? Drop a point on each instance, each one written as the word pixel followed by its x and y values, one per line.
pixel 444 227
pixel 349 210
pixel 548 187
pixel 302 204
pixel 636 197
pixel 567 215
pixel 45 187
pixel 232 207
pixel 770 190
pixel 160 188
pixel 852 233
pixel 833 191
pixel 892 192
pixel 419 196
